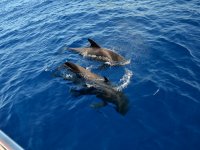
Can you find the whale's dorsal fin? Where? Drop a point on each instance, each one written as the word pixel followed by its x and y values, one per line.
pixel 93 44
pixel 106 79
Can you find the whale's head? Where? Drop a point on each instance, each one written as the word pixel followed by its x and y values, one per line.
pixel 115 97
pixel 122 103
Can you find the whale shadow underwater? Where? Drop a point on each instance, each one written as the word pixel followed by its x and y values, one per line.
pixel 97 85
pixel 105 55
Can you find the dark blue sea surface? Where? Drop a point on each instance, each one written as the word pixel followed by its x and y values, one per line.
pixel 162 81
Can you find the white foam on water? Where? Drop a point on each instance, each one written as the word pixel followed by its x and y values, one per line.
pixel 125 62
pixel 96 57
pixel 125 80
pixel 89 85
pixel 67 76
pixel 90 67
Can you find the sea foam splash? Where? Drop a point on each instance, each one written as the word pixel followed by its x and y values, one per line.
pixel 125 80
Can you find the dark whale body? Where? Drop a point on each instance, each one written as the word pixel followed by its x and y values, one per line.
pixel 99 86
pixel 101 54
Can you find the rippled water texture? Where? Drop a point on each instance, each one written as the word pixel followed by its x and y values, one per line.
pixel 161 40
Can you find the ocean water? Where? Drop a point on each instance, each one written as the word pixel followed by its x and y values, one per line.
pixel 161 40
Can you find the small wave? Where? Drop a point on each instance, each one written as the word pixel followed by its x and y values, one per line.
pixel 3 103
pixel 125 80
pixel 90 67
pixel 181 49
pixel 156 91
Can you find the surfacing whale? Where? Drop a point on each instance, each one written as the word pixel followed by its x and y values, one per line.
pixel 101 54
pixel 99 86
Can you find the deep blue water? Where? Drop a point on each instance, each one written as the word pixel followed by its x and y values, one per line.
pixel 161 38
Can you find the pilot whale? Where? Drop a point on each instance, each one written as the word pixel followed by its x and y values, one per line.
pixel 101 54
pixel 84 73
pixel 99 86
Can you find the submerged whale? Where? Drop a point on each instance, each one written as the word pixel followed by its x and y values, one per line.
pixel 99 86
pixel 101 54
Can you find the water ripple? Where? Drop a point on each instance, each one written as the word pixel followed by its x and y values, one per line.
pixel 161 40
